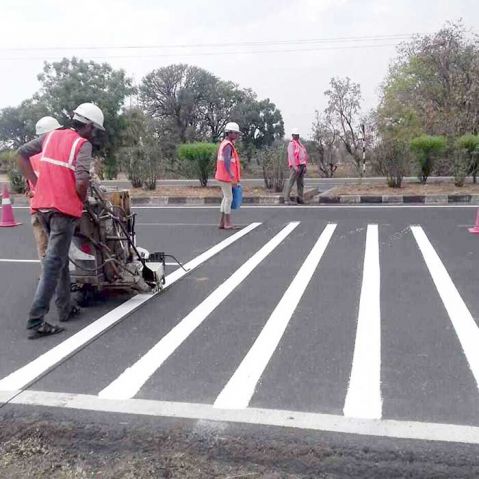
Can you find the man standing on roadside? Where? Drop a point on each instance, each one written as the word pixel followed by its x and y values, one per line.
pixel 60 192
pixel 228 172
pixel 297 162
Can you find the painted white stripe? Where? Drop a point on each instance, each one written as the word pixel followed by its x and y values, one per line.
pixel 241 387
pixel 466 328
pixel 265 417
pixel 24 376
pixel 133 378
pixel 363 399
pixel 3 260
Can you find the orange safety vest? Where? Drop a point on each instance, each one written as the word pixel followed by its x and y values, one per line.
pixel 56 185
pixel 221 173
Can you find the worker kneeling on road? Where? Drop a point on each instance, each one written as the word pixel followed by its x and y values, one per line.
pixel 228 172
pixel 43 126
pixel 60 192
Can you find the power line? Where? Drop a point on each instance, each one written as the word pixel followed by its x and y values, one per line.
pixel 366 38
pixel 217 53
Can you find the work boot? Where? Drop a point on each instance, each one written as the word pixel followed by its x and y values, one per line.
pixel 299 201
pixel 222 222
pixel 44 329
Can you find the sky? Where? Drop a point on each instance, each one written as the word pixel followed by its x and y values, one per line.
pixel 286 51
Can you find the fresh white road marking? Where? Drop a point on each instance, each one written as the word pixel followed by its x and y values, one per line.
pixel 466 328
pixel 264 417
pixel 4 260
pixel 240 388
pixel 24 376
pixel 363 399
pixel 133 378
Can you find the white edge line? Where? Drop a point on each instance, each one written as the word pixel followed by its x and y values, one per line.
pixel 461 318
pixel 133 378
pixel 240 388
pixel 24 376
pixel 4 260
pixel 363 398
pixel 450 433
pixel 302 207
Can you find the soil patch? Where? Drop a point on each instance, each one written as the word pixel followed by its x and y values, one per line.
pixel 196 192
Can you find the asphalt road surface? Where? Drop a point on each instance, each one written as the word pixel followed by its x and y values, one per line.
pixel 345 327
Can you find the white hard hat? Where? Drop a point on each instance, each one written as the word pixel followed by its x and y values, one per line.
pixel 46 124
pixel 89 113
pixel 233 127
pixel 295 131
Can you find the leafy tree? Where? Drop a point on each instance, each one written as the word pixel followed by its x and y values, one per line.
pixel 201 156
pixel 17 124
pixel 325 145
pixel 426 147
pixel 342 116
pixel 260 121
pixel 435 79
pixel 193 104
pixel 140 153
pixel 67 83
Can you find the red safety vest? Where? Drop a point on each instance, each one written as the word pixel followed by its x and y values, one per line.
pixel 221 173
pixel 56 185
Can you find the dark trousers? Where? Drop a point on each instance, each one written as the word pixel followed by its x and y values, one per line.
pixel 55 276
pixel 295 176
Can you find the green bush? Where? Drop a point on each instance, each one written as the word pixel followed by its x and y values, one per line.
pixel 17 181
pixel 391 158
pixel 426 148
pixel 273 161
pixel 199 158
pixel 468 148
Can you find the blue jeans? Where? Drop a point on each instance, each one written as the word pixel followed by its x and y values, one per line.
pixel 55 276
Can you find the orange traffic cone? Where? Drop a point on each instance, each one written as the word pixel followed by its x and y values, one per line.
pixel 7 219
pixel 475 229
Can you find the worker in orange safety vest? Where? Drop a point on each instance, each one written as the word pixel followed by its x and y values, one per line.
pixel 60 192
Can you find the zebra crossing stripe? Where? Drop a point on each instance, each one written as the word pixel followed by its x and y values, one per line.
pixel 240 388
pixel 32 371
pixel 128 384
pixel 460 316
pixel 424 431
pixel 363 399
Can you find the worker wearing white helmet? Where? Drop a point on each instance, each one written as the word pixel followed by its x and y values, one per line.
pixel 44 125
pixel 228 172
pixel 297 162
pixel 60 192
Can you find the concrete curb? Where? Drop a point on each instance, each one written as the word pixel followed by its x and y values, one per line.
pixel 398 199
pixel 20 200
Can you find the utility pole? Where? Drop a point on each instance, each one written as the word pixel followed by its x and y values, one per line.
pixel 363 130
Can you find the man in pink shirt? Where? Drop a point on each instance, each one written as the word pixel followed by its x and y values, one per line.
pixel 297 162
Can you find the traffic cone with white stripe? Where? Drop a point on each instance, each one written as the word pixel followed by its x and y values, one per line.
pixel 7 219
pixel 475 228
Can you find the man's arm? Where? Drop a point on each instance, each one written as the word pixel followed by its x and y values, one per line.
pixel 82 170
pixel 227 154
pixel 23 158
